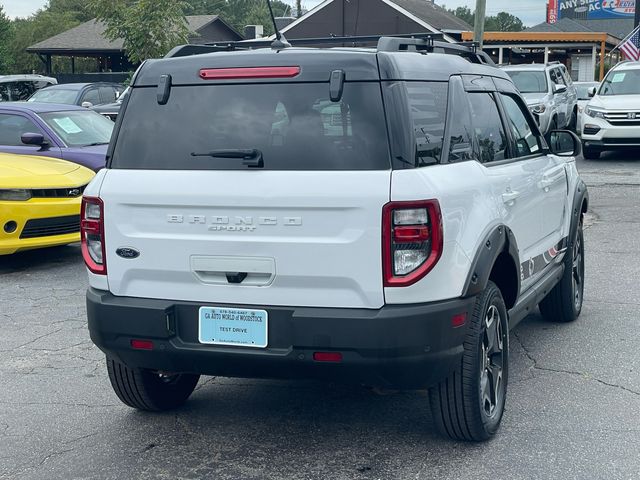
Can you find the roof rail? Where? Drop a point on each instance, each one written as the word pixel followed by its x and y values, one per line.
pixel 414 42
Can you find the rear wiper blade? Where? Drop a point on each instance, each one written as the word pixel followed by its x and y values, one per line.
pixel 250 157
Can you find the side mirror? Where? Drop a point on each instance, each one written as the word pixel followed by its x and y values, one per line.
pixel 87 105
pixel 592 92
pixel 564 143
pixel 559 88
pixel 36 139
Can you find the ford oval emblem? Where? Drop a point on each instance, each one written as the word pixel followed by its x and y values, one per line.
pixel 126 252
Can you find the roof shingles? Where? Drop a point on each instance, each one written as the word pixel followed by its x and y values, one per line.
pixel 89 36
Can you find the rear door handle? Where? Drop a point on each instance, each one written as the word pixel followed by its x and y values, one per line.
pixel 509 197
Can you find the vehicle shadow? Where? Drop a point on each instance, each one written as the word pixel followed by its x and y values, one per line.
pixel 40 259
pixel 623 156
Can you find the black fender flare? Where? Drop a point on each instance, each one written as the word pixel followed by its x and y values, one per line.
pixel 580 196
pixel 500 239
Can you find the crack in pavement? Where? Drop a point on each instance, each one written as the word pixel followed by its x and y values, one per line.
pixel 32 341
pixel 583 375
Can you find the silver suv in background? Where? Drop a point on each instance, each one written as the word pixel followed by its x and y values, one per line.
pixel 549 93
pixel 14 88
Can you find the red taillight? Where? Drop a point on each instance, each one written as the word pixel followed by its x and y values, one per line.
pixel 411 241
pixel 327 356
pixel 141 344
pixel 92 235
pixel 248 72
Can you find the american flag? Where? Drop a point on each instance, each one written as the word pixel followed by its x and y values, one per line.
pixel 631 48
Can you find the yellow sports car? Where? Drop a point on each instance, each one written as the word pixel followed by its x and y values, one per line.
pixel 39 202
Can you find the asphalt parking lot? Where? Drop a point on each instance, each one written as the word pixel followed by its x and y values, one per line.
pixel 573 408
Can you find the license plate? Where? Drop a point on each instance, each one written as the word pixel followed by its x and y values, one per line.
pixel 232 326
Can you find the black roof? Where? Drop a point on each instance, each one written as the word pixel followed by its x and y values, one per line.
pixel 80 86
pixel 316 65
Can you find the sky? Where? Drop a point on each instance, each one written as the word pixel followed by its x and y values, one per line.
pixel 531 12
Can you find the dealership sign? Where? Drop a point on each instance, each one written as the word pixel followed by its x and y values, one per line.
pixel 590 9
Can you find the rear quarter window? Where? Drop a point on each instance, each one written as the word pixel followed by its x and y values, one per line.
pixel 417 113
pixel 295 126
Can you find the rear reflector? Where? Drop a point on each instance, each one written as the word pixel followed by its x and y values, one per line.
pixel 142 344
pixel 411 234
pixel 459 320
pixel 327 356
pixel 248 72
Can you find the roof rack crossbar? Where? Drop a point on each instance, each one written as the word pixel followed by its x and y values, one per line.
pixel 425 42
pixel 332 40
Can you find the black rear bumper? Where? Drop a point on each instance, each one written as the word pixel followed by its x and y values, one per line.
pixel 397 346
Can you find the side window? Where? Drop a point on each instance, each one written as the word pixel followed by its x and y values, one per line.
pixel 21 90
pixel 4 92
pixel 460 130
pixel 107 95
pixel 566 76
pixel 13 126
pixel 556 76
pixel 527 143
pixel 488 127
pixel 428 110
pixel 92 96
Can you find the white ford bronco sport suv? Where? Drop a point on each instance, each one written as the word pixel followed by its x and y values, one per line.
pixel 611 120
pixel 378 216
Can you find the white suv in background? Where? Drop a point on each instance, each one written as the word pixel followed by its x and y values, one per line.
pixel 611 120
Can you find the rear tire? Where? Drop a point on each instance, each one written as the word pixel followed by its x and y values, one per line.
pixel 469 404
pixel 150 390
pixel 573 122
pixel 563 304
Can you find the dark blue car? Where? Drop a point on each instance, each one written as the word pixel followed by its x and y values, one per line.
pixel 62 131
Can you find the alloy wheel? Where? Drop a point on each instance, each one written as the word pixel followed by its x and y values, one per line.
pixel 492 362
pixel 577 273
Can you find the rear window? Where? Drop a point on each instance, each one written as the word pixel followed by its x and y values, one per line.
pixel 55 95
pixel 529 81
pixel 294 127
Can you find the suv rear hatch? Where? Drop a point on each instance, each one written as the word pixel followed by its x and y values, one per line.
pixel 249 191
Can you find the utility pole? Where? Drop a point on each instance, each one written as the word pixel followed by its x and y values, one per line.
pixel 637 22
pixel 478 28
pixel 298 8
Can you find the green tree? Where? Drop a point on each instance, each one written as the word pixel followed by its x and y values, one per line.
pixel 502 22
pixel 29 31
pixel 505 22
pixel 239 13
pixel 149 28
pixel 79 10
pixel 6 39
pixel 464 13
